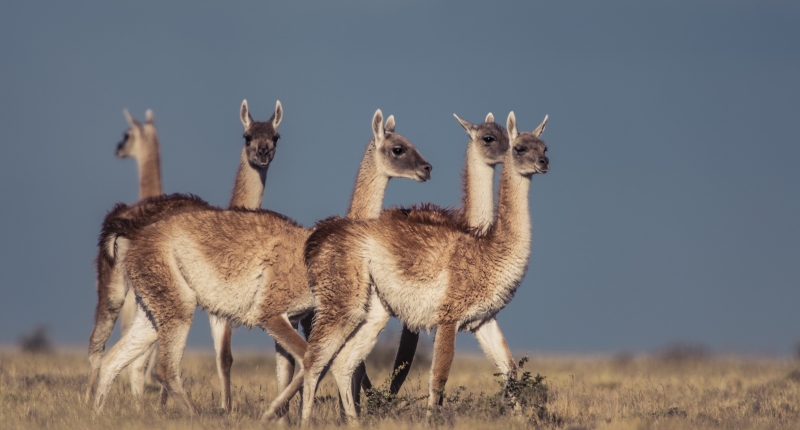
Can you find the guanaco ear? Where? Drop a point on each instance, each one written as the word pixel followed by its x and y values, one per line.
pixel 148 116
pixel 244 114
pixel 377 128
pixel 511 126
pixel 389 127
pixel 276 117
pixel 466 124
pixel 540 129
pixel 131 120
pixel 489 118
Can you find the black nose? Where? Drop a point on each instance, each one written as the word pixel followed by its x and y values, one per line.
pixel 544 161
pixel 427 167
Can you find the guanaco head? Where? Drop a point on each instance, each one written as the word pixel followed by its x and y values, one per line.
pixel 527 150
pixel 261 138
pixel 395 155
pixel 489 139
pixel 139 138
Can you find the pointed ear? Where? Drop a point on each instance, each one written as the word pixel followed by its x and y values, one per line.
pixel 466 124
pixel 149 117
pixel 489 118
pixel 377 127
pixel 131 120
pixel 511 126
pixel 244 115
pixel 540 129
pixel 277 116
pixel 389 127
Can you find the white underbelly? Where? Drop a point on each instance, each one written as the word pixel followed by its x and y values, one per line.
pixel 238 302
pixel 415 302
pixel 237 299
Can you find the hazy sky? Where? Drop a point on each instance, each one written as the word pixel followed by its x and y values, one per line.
pixel 671 212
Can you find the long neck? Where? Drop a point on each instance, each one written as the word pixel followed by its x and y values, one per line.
pixel 149 169
pixel 512 234
pixel 248 191
pixel 367 200
pixel 478 199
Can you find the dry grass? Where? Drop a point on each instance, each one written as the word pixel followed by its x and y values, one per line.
pixel 665 391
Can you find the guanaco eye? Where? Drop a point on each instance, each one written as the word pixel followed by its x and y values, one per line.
pixel 276 137
pixel 488 139
pixel 398 150
pixel 247 138
pixel 519 149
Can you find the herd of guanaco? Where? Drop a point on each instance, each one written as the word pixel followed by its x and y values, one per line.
pixel 433 268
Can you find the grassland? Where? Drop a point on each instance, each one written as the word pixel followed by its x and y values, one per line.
pixel 671 390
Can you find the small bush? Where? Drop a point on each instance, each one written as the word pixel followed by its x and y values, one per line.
pixel 524 396
pixel 797 350
pixel 37 341
pixel 528 393
pixel 682 352
pixel 380 403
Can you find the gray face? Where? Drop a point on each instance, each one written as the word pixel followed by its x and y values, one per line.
pixel 491 141
pixel 260 141
pixel 125 147
pixel 133 140
pixel 528 155
pixel 402 160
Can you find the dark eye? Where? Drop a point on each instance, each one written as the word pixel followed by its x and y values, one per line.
pixel 519 149
pixel 398 150
pixel 488 139
pixel 247 138
pixel 275 139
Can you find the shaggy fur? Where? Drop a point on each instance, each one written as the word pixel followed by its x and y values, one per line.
pixel 261 142
pixel 488 145
pixel 111 290
pixel 455 279
pixel 140 141
pixel 244 266
pixel 259 150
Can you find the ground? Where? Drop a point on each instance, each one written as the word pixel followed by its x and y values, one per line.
pixel 674 389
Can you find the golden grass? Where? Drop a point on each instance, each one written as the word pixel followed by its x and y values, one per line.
pixel 623 392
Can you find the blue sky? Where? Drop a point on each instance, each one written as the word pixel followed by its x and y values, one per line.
pixel 670 213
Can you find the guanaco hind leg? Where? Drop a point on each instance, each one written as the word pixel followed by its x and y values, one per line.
pixel 133 344
pixel 221 335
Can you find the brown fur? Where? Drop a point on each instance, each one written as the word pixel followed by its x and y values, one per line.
pixel 140 141
pixel 124 220
pixel 216 235
pixel 484 270
pixel 260 143
pixel 488 145
pixel 273 246
pixel 150 271
pixel 206 258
